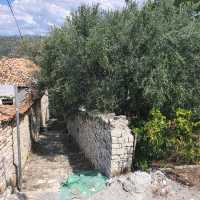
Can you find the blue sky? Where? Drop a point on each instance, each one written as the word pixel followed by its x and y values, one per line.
pixel 36 17
pixel 4 1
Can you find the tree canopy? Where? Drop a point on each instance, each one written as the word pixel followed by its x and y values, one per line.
pixel 127 61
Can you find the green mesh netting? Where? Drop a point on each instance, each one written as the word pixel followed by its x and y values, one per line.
pixel 83 185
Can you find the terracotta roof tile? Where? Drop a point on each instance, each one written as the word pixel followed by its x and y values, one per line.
pixel 18 71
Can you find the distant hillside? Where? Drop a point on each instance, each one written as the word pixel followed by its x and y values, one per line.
pixel 29 47
pixel 8 45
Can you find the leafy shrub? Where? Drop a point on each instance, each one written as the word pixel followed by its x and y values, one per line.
pixel 155 129
pixel 197 125
pixel 173 140
pixel 183 145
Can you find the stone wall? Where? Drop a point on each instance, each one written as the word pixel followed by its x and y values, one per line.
pixel 35 120
pixel 8 145
pixel 25 139
pixel 7 168
pixel 106 141
pixel 44 109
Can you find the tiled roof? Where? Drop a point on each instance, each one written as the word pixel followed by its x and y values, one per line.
pixel 8 112
pixel 18 71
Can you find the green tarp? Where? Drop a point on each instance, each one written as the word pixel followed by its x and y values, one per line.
pixel 83 185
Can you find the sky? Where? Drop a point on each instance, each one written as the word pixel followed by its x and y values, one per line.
pixel 36 17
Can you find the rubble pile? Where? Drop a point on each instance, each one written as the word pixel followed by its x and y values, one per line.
pixel 146 186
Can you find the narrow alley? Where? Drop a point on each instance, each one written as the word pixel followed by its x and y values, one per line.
pixel 53 159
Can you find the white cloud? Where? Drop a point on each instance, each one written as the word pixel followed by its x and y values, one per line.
pixel 36 17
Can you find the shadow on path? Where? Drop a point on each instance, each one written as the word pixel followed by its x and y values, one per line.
pixel 54 157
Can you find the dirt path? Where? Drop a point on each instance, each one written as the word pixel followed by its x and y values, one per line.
pixel 53 159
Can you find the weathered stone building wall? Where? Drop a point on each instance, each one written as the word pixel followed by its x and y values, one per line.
pixel 106 141
pixel 25 140
pixel 29 128
pixel 7 168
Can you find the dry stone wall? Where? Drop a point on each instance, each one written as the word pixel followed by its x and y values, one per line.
pixel 44 109
pixel 106 141
pixel 8 146
pixel 7 168
pixel 35 120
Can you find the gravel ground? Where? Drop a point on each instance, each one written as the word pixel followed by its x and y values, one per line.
pixel 133 186
pixel 146 186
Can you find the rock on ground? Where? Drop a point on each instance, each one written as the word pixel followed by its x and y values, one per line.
pixel 133 186
pixel 146 186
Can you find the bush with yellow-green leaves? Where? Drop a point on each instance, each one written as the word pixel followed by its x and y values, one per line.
pixel 176 140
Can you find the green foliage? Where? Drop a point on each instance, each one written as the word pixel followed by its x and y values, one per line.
pixel 152 137
pixel 143 165
pixel 184 125
pixel 197 125
pixel 126 61
pixel 195 3
pixel 156 127
pixel 7 44
pixel 183 142
pixel 29 47
pixel 172 140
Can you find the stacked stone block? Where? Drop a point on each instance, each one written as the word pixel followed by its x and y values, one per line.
pixel 106 141
pixel 122 145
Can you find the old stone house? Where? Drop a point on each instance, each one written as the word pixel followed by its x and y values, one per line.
pixel 19 76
